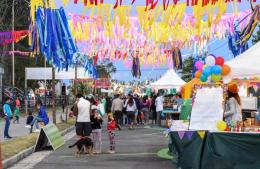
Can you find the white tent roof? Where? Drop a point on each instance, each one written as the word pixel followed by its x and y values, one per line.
pixel 41 73
pixel 245 65
pixel 169 80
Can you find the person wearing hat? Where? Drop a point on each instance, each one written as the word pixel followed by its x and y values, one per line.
pixel 233 111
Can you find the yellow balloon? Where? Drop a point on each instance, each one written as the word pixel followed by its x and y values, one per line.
pixel 221 125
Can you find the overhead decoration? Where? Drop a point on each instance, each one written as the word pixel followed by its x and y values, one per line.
pixel 114 35
pixel 213 69
pixel 136 69
pixel 51 37
pixel 18 52
pixel 9 37
pixel 249 29
pixel 151 4
pixel 177 58
pixel 89 63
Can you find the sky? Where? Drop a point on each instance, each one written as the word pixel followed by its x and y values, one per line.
pixel 216 47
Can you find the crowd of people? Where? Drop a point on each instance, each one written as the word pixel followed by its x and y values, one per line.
pixel 121 110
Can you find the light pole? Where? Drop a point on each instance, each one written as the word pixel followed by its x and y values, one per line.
pixel 13 69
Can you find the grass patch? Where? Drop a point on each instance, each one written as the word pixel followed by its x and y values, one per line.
pixel 16 145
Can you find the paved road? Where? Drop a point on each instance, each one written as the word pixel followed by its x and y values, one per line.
pixel 136 149
pixel 17 130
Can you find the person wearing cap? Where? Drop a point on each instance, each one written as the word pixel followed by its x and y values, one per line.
pixel 233 111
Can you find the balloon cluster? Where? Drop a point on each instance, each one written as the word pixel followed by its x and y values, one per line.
pixel 213 69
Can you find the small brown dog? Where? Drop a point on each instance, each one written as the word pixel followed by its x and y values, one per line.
pixel 83 144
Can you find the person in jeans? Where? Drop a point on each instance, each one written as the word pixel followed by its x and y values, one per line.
pixel 145 109
pixel 117 110
pixel 7 116
pixel 41 117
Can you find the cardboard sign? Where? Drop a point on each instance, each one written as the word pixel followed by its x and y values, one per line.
pixel 49 137
pixel 207 108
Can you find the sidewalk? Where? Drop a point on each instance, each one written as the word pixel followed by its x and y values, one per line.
pixel 18 130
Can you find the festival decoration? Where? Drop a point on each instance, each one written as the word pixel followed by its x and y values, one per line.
pixel 249 29
pixel 116 35
pixel 51 36
pixel 177 58
pixel 136 72
pixel 221 125
pixel 213 69
pixel 9 37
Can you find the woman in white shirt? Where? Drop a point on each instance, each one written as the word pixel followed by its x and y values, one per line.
pixel 233 110
pixel 130 111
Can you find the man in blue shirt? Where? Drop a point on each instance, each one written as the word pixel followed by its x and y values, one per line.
pixel 8 115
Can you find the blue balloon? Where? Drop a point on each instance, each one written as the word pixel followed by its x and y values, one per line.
pixel 216 70
pixel 207 71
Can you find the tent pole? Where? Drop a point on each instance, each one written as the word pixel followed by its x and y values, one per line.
pixel 53 96
pixel 25 91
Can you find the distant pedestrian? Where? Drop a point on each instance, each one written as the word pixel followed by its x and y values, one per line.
pixel 111 126
pixel 145 110
pixel 96 122
pixel 29 120
pixel 130 111
pixel 117 110
pixel 17 114
pixel 159 108
pixel 18 103
pixel 7 116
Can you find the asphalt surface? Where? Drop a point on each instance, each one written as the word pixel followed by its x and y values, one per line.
pixel 135 149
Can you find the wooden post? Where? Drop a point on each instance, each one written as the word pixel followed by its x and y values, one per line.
pixel 53 96
pixel 76 77
pixel 1 166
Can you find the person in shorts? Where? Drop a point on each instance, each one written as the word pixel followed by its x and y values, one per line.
pixel 83 124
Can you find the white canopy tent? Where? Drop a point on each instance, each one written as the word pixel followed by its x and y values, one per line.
pixel 169 80
pixel 245 65
pixel 46 74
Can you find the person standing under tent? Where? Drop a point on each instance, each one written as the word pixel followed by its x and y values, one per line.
pixel 233 111
pixel 7 116
pixel 159 108
pixel 117 110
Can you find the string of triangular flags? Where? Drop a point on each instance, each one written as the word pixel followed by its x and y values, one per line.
pixel 190 134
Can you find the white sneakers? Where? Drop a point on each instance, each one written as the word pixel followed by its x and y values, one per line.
pixel 37 131
pixel 111 152
pixel 28 126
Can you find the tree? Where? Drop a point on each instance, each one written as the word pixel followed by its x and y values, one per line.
pixel 187 69
pixel 256 38
pixel 106 69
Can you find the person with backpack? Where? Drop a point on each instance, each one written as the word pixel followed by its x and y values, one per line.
pixel 130 111
pixel 7 116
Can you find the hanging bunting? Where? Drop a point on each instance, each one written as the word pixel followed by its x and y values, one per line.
pixel 201 134
pixel 9 37
pixel 51 36
pixel 177 58
pixel 136 71
pixel 181 134
pixel 189 134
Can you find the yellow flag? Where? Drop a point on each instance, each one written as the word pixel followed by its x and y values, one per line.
pixel 201 134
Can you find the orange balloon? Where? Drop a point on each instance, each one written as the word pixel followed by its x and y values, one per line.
pixel 197 74
pixel 225 70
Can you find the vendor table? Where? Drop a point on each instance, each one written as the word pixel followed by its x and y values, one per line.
pixel 170 112
pixel 218 150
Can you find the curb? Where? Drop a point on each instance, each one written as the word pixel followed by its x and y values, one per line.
pixel 25 153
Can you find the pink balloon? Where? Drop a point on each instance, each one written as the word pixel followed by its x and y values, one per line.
pixel 199 65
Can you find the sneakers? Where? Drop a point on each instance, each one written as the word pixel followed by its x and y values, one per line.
pixel 37 131
pixel 28 126
pixel 7 138
pixel 111 152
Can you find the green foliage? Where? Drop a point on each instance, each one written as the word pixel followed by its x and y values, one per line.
pixel 105 69
pixel 187 69
pixel 21 22
pixel 256 38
